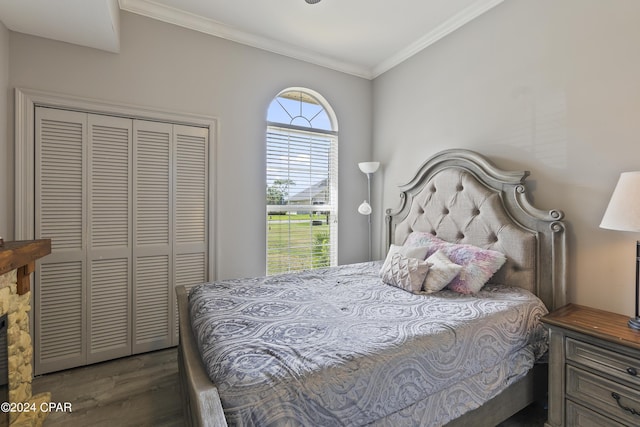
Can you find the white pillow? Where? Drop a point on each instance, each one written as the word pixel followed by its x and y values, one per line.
pixel 405 273
pixel 441 272
pixel 478 265
pixel 419 252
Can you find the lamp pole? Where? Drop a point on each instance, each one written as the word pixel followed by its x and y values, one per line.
pixel 369 216
pixel 368 168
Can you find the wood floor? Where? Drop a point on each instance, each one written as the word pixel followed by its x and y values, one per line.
pixel 143 390
pixel 140 390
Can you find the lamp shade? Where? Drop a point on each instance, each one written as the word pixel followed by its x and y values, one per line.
pixel 364 208
pixel 623 212
pixel 369 167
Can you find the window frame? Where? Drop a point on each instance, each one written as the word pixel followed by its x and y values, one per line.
pixel 331 208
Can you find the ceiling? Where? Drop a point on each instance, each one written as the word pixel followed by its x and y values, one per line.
pixel 360 37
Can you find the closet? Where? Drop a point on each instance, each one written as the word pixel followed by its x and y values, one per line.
pixel 126 204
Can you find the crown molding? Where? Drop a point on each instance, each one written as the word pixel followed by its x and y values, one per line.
pixel 194 22
pixel 174 16
pixel 456 21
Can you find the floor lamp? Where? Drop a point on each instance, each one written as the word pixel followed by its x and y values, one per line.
pixel 623 214
pixel 368 168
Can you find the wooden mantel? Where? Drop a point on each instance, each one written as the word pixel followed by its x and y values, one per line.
pixel 21 255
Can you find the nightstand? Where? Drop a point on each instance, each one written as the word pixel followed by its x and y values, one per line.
pixel 594 368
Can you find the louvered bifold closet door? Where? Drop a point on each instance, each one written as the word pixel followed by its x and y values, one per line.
pixel 126 204
pixel 152 243
pixel 60 209
pixel 109 246
pixel 191 148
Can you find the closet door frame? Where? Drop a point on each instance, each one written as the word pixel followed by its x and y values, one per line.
pixel 26 101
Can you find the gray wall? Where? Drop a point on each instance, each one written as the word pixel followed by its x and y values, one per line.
pixel 6 147
pixel 551 86
pixel 172 68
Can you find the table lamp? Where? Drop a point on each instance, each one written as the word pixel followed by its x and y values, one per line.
pixel 623 214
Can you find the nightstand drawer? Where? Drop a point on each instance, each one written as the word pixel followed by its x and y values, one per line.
pixel 604 396
pixel 578 415
pixel 614 364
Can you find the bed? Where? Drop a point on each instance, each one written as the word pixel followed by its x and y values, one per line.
pixel 340 347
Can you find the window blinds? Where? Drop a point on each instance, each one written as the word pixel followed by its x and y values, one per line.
pixel 301 199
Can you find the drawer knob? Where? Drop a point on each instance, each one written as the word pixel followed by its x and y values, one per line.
pixel 632 371
pixel 616 396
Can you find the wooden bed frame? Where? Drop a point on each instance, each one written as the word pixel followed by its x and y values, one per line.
pixel 546 276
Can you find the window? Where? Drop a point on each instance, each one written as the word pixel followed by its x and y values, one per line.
pixel 302 182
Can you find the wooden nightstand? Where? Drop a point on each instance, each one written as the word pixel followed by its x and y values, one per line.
pixel 594 368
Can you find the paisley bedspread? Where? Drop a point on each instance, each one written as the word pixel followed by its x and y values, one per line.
pixel 337 347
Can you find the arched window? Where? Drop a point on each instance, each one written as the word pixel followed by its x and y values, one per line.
pixel 302 182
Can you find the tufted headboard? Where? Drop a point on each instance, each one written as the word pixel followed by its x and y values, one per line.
pixel 461 197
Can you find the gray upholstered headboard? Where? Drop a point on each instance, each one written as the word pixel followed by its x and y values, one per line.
pixel 461 197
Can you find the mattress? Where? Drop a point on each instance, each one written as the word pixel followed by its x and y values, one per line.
pixel 338 347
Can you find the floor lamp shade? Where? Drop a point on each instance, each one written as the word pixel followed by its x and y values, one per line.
pixel 369 167
pixel 623 214
pixel 364 208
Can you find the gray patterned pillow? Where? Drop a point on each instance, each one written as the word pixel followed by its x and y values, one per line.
pixel 441 272
pixel 405 273
pixel 419 252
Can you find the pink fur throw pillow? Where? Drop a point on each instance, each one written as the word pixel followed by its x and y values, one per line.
pixel 478 265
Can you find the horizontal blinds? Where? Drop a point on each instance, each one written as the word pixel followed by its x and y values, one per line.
pixel 151 309
pixel 60 334
pixel 152 186
pixel 109 175
pixel 61 184
pixel 108 255
pixel 60 215
pixel 191 188
pixel 110 307
pixel 153 237
pixel 301 199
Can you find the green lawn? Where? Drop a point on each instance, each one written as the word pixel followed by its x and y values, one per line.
pixel 293 241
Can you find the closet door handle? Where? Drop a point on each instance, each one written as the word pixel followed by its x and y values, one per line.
pixel 616 396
